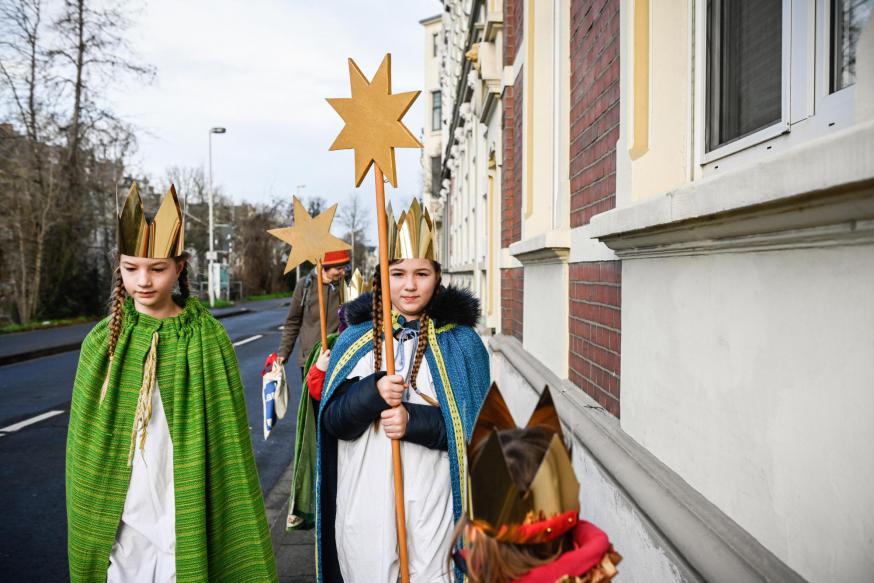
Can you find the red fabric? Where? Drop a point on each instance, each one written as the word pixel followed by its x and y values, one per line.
pixel 268 364
pixel 539 532
pixel 336 258
pixel 591 544
pixel 315 382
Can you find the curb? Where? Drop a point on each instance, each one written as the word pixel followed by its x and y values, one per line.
pixel 276 502
pixel 52 350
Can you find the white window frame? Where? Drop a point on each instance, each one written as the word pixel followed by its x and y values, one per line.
pixel 766 133
pixel 808 109
pixel 837 106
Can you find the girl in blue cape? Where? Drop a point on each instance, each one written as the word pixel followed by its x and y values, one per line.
pixel 431 405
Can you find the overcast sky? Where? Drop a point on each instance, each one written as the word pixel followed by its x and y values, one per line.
pixel 263 69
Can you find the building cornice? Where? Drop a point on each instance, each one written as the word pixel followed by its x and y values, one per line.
pixel 462 91
pixel 431 19
pixel 818 194
pixel 549 247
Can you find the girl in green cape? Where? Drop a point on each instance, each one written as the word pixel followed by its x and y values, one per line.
pixel 161 480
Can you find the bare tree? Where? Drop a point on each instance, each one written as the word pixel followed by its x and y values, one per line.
pixel 354 216
pixel 28 175
pixel 315 205
pixel 64 153
pixel 91 52
pixel 259 256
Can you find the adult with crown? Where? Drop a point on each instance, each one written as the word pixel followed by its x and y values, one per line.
pixel 430 406
pixel 161 483
pixel 302 324
pixel 524 524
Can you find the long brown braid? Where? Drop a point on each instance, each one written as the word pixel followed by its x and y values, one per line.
pixel 377 322
pixel 424 322
pixel 116 308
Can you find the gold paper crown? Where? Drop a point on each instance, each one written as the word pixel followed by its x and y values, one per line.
pixel 355 287
pixel 159 239
pixel 527 513
pixel 412 236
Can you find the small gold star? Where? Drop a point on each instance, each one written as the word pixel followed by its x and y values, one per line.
pixel 310 237
pixel 373 121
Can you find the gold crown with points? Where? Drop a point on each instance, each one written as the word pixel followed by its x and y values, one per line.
pixel 531 513
pixel 354 287
pixel 160 238
pixel 413 235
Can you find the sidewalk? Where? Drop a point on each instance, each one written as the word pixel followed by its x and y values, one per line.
pixel 295 550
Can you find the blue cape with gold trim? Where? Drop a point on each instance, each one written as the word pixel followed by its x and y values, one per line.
pixel 459 366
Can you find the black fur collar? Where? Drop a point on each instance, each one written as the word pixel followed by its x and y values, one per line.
pixel 450 305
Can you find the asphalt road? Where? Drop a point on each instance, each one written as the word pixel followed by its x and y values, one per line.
pixel 33 529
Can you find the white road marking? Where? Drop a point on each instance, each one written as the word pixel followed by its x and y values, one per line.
pixel 31 421
pixel 248 340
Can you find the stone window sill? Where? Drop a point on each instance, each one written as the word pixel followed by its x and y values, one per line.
pixel 549 247
pixel 817 193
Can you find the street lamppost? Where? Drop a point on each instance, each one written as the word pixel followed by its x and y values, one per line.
pixel 293 218
pixel 211 256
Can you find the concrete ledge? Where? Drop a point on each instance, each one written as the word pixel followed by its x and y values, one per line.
pixel 712 546
pixel 831 165
pixel 549 247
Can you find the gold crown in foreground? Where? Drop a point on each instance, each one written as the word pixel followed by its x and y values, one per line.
pixel 412 236
pixel 354 287
pixel 514 512
pixel 159 239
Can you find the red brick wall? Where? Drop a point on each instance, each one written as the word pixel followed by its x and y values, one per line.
pixel 594 115
pixel 512 297
pixel 514 15
pixel 595 308
pixel 511 206
pixel 511 171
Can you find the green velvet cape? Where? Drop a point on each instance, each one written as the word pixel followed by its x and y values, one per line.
pixel 221 528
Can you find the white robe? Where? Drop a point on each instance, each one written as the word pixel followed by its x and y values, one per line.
pixel 366 537
pixel 145 545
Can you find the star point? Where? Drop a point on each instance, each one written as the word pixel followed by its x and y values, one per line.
pixel 373 121
pixel 310 237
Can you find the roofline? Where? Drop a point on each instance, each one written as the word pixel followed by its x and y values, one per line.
pixel 431 19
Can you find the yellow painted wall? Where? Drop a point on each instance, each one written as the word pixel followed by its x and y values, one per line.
pixel 659 129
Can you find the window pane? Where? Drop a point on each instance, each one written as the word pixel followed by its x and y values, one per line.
pixel 744 73
pixel 436 110
pixel 434 38
pixel 435 176
pixel 848 18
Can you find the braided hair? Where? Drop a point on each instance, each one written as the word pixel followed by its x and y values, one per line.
pixel 116 308
pixel 424 324
pixel 377 321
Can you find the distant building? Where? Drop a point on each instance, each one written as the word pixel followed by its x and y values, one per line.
pixel 432 138
pixel 666 210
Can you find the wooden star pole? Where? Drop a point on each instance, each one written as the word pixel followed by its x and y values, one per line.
pixel 310 238
pixel 373 129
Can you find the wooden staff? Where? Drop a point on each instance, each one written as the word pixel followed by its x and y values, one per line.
pixel 323 316
pixel 389 351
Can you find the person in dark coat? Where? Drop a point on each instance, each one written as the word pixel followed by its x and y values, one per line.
pixel 302 323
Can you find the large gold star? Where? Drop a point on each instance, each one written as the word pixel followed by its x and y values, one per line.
pixel 373 121
pixel 310 237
